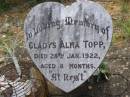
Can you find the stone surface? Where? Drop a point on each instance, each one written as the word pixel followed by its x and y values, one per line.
pixel 68 43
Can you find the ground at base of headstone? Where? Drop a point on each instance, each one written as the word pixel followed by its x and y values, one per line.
pixel 30 84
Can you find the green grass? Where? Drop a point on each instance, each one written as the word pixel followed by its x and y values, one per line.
pixel 103 73
pixel 126 27
pixel 125 6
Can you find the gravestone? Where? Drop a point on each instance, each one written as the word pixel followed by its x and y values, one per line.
pixel 68 43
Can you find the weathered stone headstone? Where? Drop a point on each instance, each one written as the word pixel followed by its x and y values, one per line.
pixel 68 43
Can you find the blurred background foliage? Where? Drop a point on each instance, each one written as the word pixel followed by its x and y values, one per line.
pixel 7 4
